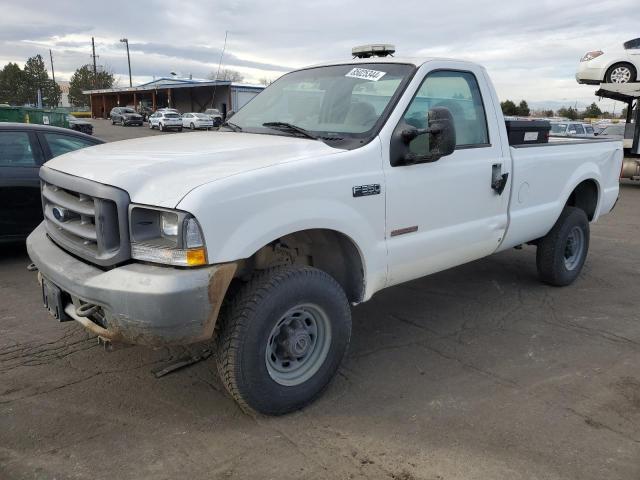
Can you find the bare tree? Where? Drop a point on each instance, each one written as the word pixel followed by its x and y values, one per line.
pixel 226 75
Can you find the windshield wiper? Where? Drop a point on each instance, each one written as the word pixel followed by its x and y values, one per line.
pixel 232 126
pixel 289 127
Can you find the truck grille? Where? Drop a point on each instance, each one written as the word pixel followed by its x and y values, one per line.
pixel 86 218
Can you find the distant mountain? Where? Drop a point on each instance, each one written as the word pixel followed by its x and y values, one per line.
pixel 555 104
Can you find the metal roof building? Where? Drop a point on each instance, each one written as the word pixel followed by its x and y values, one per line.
pixel 186 95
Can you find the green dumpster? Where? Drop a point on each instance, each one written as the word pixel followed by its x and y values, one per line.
pixel 33 115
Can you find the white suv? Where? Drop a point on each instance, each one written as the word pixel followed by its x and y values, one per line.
pixel 166 120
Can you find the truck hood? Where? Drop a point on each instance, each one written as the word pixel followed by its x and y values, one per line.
pixel 161 170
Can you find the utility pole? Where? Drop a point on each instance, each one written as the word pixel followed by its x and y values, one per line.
pixel 126 42
pixel 53 73
pixel 213 95
pixel 95 70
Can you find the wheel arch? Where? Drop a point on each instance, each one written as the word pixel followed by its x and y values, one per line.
pixel 331 251
pixel 586 196
pixel 617 63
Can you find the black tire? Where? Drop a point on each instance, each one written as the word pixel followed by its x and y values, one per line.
pixel 247 332
pixel 160 127
pixel 113 122
pixel 192 126
pixel 633 74
pixel 558 262
pixel 180 129
pixel 122 124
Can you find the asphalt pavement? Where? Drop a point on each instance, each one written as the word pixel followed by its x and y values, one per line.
pixel 479 372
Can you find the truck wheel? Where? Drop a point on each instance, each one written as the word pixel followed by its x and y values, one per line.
pixel 282 339
pixel 562 252
pixel 621 73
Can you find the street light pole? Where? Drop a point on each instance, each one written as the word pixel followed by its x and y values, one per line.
pixel 126 42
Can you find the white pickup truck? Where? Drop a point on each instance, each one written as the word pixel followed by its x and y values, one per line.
pixel 335 182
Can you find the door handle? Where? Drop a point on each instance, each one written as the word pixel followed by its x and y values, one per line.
pixel 498 179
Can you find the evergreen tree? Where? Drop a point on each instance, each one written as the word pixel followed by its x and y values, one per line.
pixel 83 79
pixel 509 108
pixel 523 109
pixel 12 84
pixel 36 77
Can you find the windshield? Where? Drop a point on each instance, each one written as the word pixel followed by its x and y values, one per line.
pixel 171 115
pixel 338 103
pixel 202 115
pixel 128 110
pixel 558 127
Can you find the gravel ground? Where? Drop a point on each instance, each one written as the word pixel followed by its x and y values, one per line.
pixel 479 372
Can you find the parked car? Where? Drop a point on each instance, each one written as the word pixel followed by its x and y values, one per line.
pixel 572 129
pixel 167 109
pixel 24 147
pixel 333 183
pixel 615 130
pixel 197 121
pixel 79 125
pixel 165 120
pixel 617 65
pixel 144 111
pixel 125 116
pixel 215 115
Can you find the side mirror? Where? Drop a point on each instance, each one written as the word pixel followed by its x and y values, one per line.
pixel 421 145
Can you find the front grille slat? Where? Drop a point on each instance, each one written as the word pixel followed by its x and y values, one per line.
pixel 86 218
pixel 75 227
pixel 81 204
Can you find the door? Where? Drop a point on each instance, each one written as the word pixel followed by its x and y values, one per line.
pixel 576 129
pixel 446 213
pixel 20 205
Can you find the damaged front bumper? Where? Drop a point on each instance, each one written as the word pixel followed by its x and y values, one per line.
pixel 137 303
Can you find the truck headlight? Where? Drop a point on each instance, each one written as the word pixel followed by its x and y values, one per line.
pixel 164 236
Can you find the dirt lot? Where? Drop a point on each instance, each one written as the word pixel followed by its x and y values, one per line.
pixel 480 372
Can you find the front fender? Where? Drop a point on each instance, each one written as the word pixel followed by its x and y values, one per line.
pixel 241 214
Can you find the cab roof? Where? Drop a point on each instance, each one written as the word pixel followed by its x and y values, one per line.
pixel 416 61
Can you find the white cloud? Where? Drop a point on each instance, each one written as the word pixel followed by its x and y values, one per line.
pixel 530 48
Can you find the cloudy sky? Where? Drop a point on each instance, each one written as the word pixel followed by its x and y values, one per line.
pixel 531 48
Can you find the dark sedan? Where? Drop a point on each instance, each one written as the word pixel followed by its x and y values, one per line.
pixel 23 148
pixel 79 125
pixel 125 116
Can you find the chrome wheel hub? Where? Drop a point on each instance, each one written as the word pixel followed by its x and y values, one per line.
pixel 621 75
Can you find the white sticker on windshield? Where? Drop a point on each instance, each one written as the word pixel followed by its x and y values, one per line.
pixel 365 74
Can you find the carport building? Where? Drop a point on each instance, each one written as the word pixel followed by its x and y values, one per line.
pixel 185 95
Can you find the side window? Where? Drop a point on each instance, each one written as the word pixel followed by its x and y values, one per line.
pixel 60 144
pixel 589 130
pixel 16 150
pixel 578 128
pixel 460 93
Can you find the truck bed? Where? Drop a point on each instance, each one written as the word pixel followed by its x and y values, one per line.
pixel 545 174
